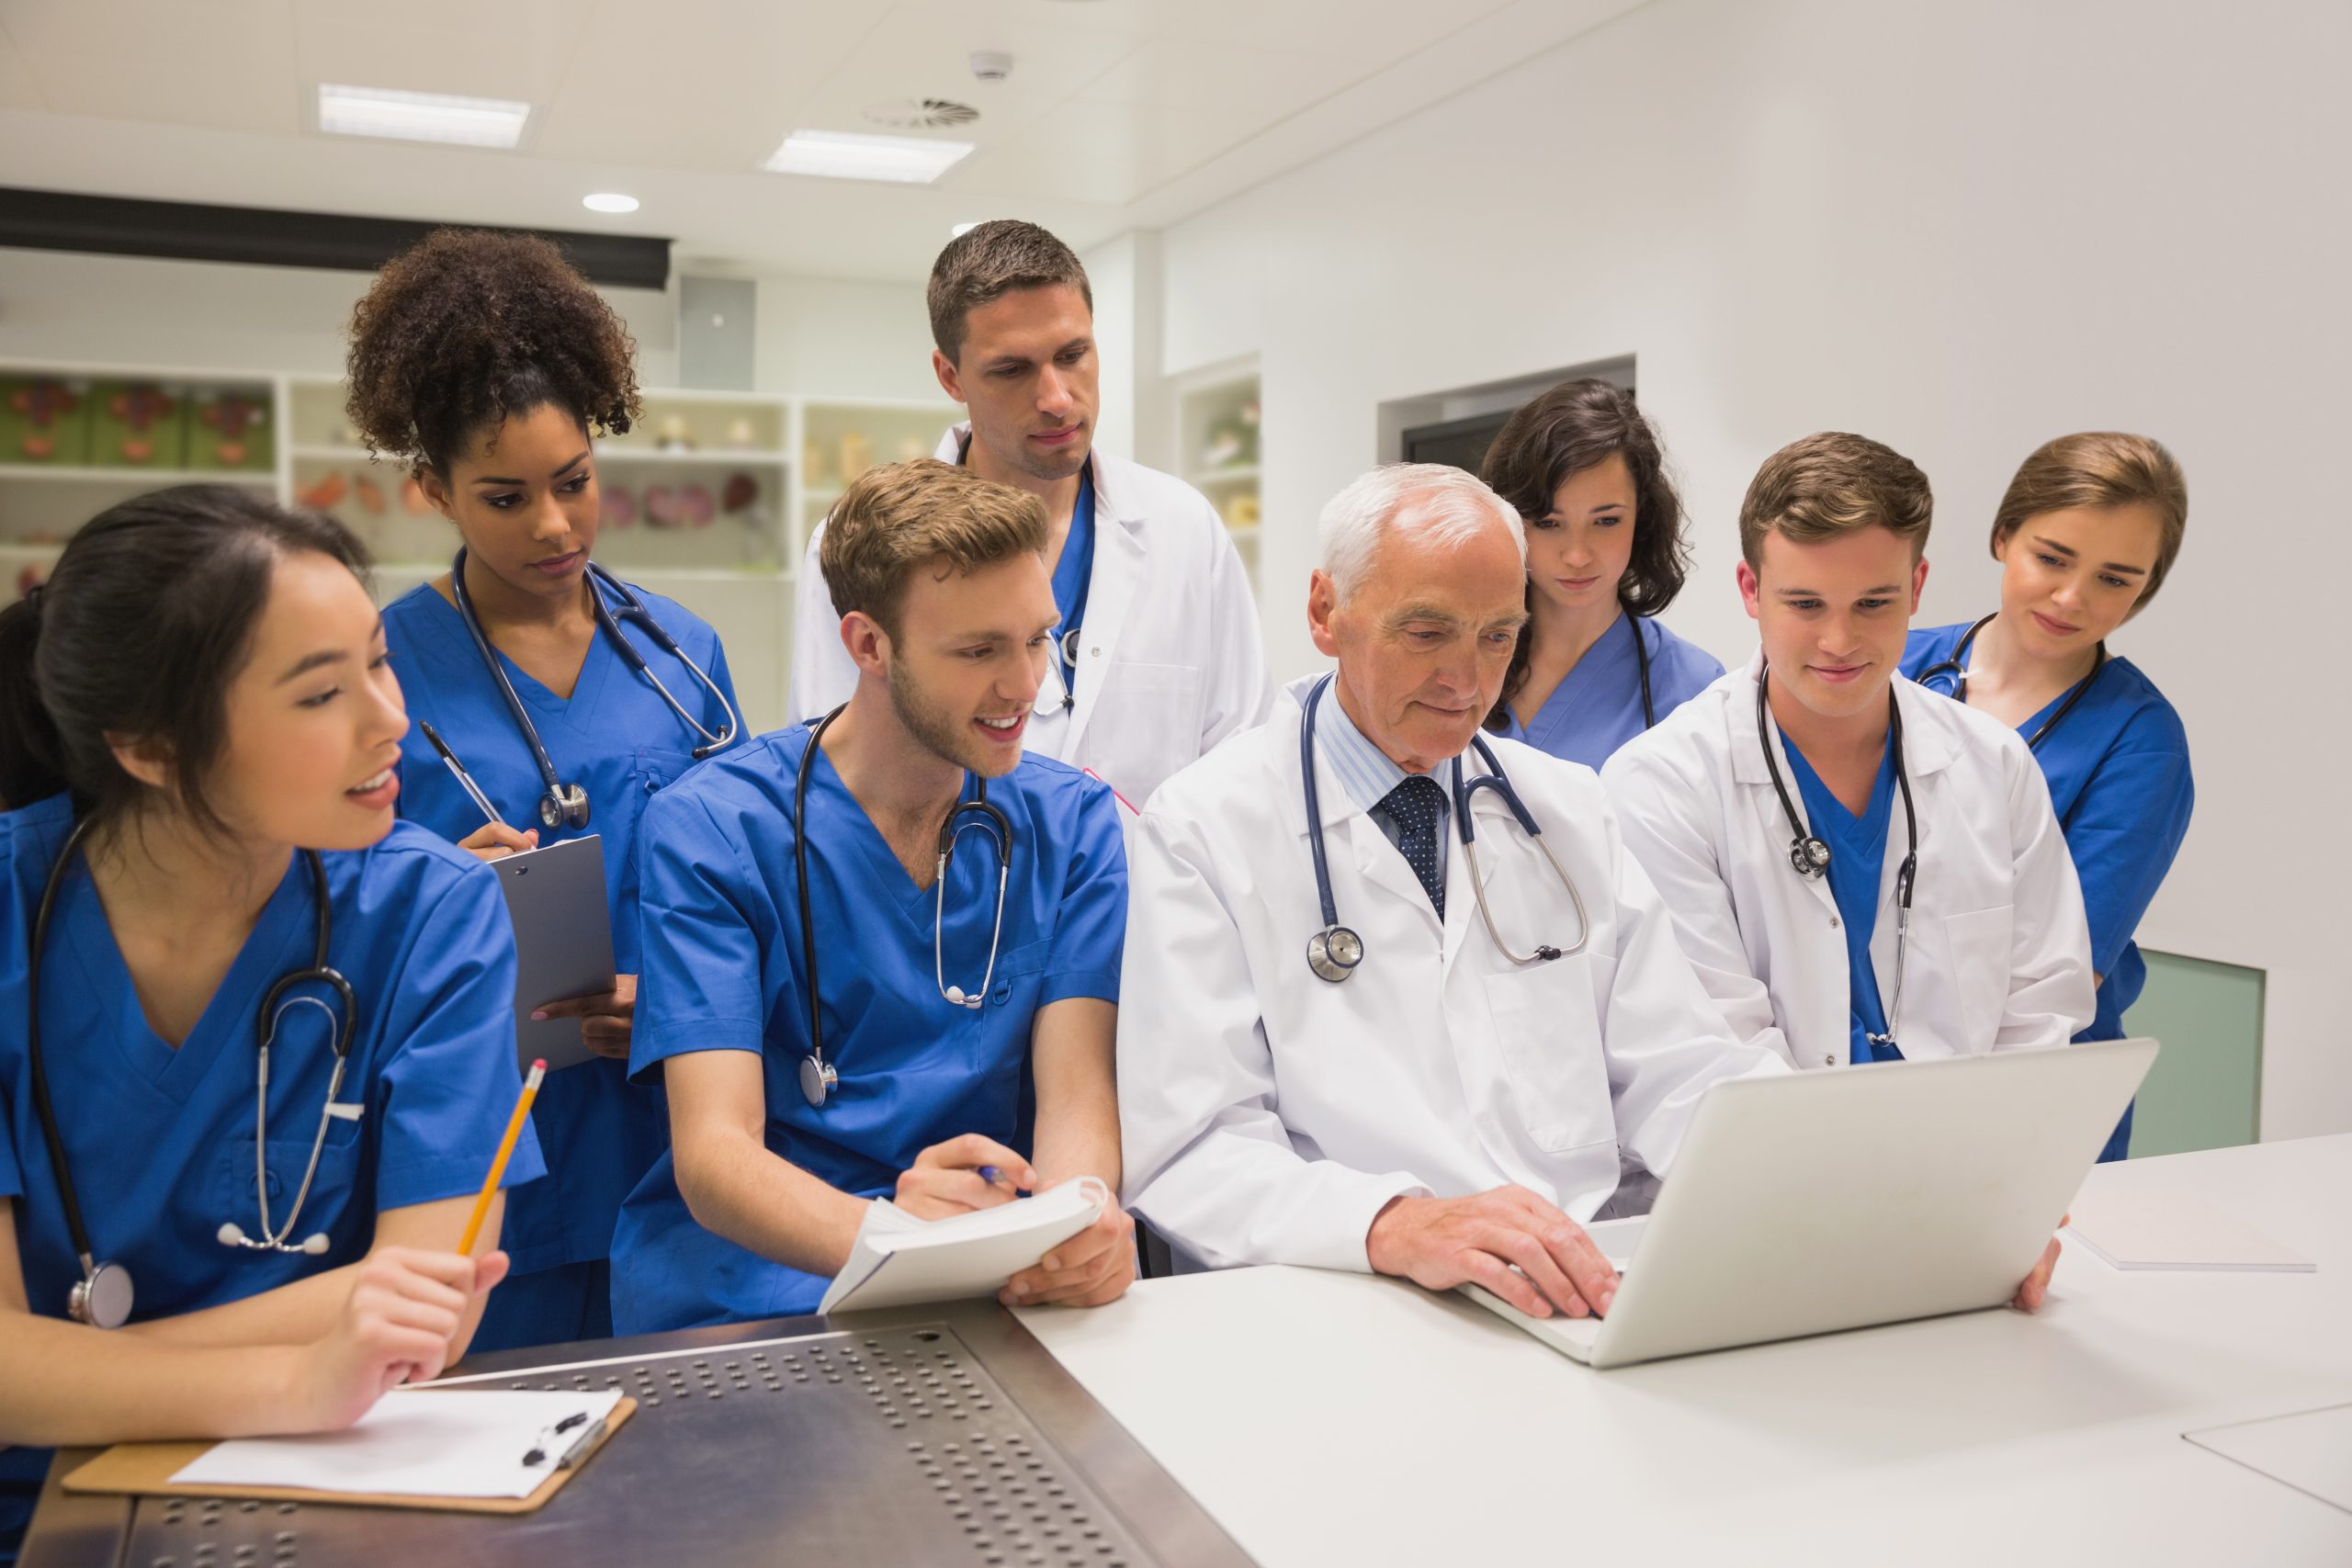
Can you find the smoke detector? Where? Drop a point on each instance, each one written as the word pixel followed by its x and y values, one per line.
pixel 922 114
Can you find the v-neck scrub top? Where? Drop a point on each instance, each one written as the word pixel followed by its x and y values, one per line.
pixel 723 972
pixel 1856 873
pixel 1596 707
pixel 618 740
pixel 160 1141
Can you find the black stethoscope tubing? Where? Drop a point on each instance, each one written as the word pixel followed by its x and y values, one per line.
pixel 1809 856
pixel 91 1300
pixel 1334 951
pixel 819 1077
pixel 566 804
pixel 1955 668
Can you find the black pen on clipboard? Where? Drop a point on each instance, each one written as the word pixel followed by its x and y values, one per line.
pixel 465 779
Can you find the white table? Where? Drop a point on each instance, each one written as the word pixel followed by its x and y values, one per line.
pixel 1333 1418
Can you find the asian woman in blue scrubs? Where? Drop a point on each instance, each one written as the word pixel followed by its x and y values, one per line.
pixel 198 734
pixel 2085 535
pixel 490 362
pixel 1605 555
pixel 945 1107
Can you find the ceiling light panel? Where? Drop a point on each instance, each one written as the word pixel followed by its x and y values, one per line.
pixel 421 116
pixel 848 155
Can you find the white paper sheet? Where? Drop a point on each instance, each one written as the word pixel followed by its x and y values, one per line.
pixel 2131 1230
pixel 416 1443
pixel 2311 1452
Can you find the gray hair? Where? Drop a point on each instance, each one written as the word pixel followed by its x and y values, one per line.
pixel 1454 508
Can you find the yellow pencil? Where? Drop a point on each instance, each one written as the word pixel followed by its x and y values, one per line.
pixel 505 1149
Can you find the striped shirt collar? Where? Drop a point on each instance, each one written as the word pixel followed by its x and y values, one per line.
pixel 1364 770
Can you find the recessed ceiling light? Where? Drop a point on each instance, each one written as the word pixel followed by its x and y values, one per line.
pixel 609 201
pixel 847 155
pixel 421 116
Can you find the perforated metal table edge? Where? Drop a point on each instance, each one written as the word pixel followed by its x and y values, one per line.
pixel 1003 1386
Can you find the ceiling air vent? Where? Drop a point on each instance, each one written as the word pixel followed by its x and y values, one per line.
pixel 922 114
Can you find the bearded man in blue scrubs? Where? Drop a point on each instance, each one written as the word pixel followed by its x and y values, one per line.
pixel 967 1001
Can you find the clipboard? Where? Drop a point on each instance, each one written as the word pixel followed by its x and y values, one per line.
pixel 563 942
pixel 145 1469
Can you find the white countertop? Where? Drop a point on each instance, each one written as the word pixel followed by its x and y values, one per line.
pixel 1336 1419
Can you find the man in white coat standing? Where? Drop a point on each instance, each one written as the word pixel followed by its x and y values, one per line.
pixel 1792 811
pixel 1158 656
pixel 1450 1106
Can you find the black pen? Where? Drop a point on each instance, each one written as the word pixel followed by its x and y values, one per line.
pixel 538 1454
pixel 464 778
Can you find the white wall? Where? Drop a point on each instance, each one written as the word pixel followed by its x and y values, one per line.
pixel 1961 229
pixel 842 339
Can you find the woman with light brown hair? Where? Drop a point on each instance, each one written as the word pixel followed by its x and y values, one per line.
pixel 2085 535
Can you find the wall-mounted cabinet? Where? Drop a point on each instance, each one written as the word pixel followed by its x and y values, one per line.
pixel 1219 449
pixel 702 500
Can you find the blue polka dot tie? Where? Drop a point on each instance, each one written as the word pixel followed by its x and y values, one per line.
pixel 1417 807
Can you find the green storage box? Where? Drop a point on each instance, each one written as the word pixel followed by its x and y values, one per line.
pixel 44 419
pixel 231 428
pixel 138 425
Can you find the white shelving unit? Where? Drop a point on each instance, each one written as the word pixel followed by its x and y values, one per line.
pixel 707 500
pixel 1218 441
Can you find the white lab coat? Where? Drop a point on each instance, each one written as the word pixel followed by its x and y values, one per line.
pixel 1267 1115
pixel 2000 953
pixel 1172 661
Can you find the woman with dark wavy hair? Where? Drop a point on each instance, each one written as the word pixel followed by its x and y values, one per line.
pixel 1605 554
pixel 488 366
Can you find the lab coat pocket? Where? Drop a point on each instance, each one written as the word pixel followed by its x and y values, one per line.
pixel 1145 724
pixel 1547 1033
pixel 1979 941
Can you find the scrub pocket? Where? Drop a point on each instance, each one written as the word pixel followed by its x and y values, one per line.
pixel 331 1188
pixel 1546 1032
pixel 657 769
pixel 1980 971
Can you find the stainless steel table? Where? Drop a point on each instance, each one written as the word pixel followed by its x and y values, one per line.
pixel 934 1435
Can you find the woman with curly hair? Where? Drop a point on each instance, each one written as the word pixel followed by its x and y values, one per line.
pixel 1605 555
pixel 488 364
pixel 2085 535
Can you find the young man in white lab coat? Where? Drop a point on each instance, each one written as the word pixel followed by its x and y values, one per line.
pixel 1158 656
pixel 1722 801
pixel 1446 1112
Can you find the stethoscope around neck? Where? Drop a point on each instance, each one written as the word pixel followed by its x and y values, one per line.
pixel 1334 951
pixel 566 805
pixel 1953 672
pixel 1809 855
pixel 818 1077
pixel 103 1296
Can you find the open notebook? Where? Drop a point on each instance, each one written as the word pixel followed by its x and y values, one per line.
pixel 900 1260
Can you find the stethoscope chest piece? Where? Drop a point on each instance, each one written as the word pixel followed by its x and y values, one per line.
pixel 817 1080
pixel 1334 953
pixel 1809 855
pixel 103 1298
pixel 564 805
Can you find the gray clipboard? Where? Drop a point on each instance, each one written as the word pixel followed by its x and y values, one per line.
pixel 563 942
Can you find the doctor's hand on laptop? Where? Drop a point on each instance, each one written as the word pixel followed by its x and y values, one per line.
pixel 1509 1240
pixel 2037 1284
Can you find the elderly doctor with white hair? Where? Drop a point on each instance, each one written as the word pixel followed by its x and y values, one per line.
pixel 1375 1020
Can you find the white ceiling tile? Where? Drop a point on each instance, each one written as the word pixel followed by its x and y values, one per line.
pixel 17 88
pixel 1096 152
pixel 1250 84
pixel 198 36
pixel 515 50
pixel 252 96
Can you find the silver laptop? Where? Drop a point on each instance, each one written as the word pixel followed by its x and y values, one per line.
pixel 563 942
pixel 1813 1202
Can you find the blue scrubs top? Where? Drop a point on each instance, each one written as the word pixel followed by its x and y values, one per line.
pixel 2118 769
pixel 618 740
pixel 160 1141
pixel 1596 707
pixel 1857 868
pixel 723 972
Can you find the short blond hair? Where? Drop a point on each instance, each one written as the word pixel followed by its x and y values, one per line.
pixel 2103 469
pixel 899 517
pixel 1827 484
